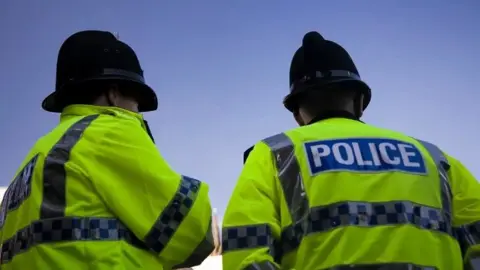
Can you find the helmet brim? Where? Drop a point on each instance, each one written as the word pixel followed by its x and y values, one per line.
pixel 290 101
pixel 147 101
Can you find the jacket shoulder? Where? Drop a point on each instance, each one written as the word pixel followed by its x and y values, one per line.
pixel 440 157
pixel 115 124
pixel 274 143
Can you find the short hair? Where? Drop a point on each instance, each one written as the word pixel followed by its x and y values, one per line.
pixel 316 101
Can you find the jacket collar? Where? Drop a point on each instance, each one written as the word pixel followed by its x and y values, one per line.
pixel 84 110
pixel 334 114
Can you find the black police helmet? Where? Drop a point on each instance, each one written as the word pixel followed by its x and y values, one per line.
pixel 90 57
pixel 321 63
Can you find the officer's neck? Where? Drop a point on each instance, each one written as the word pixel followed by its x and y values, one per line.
pixel 333 114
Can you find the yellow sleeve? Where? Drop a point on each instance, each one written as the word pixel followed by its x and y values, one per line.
pixel 168 212
pixel 466 210
pixel 251 221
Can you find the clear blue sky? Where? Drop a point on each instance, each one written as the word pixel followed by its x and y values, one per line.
pixel 220 69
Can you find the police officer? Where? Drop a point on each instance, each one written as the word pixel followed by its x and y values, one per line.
pixel 336 193
pixel 94 193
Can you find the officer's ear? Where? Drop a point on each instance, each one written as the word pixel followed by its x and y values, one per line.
pixel 113 95
pixel 118 97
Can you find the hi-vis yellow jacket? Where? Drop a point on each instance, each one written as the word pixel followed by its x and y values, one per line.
pixel 340 194
pixel 95 193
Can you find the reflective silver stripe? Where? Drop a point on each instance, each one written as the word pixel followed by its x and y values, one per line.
pixel 202 251
pixel 442 166
pixel 375 214
pixel 384 266
pixel 288 169
pixel 289 174
pixel 246 237
pixel 173 215
pixel 266 265
pixel 53 226
pixel 255 236
pixel 66 229
pixel 54 173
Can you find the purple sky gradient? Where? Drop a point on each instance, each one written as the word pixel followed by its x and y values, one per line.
pixel 220 69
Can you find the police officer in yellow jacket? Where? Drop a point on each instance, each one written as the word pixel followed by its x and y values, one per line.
pixel 336 193
pixel 94 193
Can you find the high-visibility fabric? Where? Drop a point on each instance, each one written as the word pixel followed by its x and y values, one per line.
pixel 95 193
pixel 466 191
pixel 340 194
